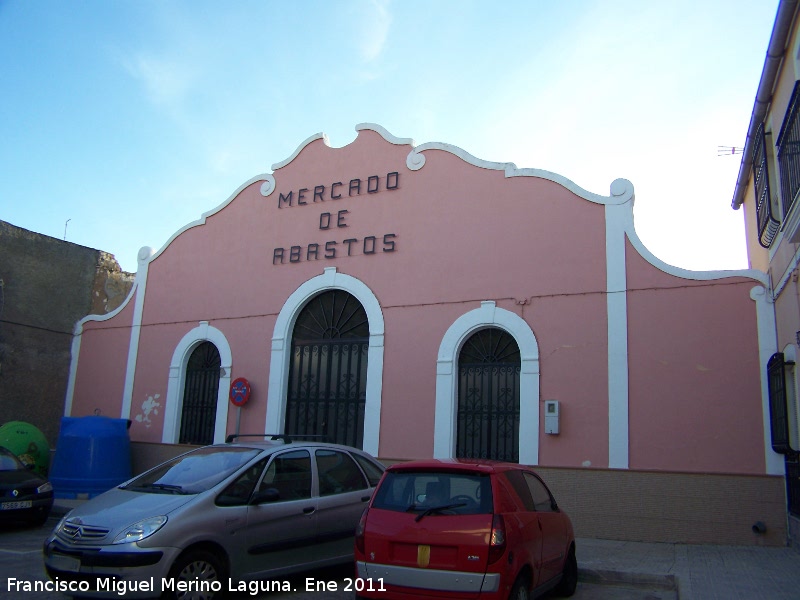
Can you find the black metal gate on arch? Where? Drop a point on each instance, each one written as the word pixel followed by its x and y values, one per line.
pixel 328 370
pixel 487 421
pixel 200 392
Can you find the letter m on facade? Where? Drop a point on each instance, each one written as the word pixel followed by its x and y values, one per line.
pixel 285 200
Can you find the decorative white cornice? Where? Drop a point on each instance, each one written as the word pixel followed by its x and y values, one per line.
pixel 385 134
pixel 636 242
pixel 268 186
pixel 621 189
pixel 416 159
pixel 269 182
pixel 621 193
pixel 313 138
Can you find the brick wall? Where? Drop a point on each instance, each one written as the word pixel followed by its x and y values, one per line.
pixel 47 286
pixel 671 507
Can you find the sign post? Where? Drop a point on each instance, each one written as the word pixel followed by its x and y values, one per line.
pixel 239 395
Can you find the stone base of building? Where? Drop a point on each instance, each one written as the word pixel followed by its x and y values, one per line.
pixel 655 506
pixel 646 506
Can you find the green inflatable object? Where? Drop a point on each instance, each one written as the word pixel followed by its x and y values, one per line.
pixel 28 443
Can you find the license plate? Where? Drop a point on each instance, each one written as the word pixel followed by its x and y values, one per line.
pixel 16 505
pixel 64 563
pixel 423 555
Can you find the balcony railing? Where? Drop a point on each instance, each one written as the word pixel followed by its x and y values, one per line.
pixel 789 153
pixel 767 224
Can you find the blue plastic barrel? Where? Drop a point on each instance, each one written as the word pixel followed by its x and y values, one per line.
pixel 93 454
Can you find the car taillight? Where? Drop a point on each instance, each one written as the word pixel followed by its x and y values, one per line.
pixel 362 525
pixel 497 541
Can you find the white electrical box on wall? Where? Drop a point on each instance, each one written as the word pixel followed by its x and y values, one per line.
pixel 551 417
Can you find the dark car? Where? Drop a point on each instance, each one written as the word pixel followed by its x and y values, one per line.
pixel 25 496
pixel 219 516
pixel 464 529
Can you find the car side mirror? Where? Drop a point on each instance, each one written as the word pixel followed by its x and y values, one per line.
pixel 267 495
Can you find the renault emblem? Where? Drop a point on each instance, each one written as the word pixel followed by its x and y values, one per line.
pixel 15 493
pixel 423 555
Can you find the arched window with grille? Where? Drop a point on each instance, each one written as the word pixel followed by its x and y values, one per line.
pixel 488 413
pixel 328 369
pixel 200 393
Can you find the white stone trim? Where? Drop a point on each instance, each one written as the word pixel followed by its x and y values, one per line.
pixel 138 287
pixel 488 315
pixel 636 242
pixel 75 352
pixel 281 352
pixel 145 255
pixel 266 189
pixel 385 134
pixel 313 138
pixel 767 346
pixel 177 377
pixel 617 323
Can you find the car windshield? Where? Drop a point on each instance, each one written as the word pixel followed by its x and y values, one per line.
pixel 194 472
pixel 9 462
pixel 435 493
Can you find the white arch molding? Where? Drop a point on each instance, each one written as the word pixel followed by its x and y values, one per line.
pixel 488 315
pixel 177 378
pixel 281 351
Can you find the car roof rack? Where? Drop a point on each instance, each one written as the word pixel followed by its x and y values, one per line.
pixel 283 437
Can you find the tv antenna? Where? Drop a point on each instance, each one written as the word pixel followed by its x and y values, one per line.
pixel 729 150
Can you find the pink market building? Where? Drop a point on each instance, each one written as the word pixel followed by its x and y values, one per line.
pixel 417 301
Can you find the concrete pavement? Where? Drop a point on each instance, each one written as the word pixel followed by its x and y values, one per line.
pixel 697 572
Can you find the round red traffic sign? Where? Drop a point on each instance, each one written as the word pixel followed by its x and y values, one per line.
pixel 240 391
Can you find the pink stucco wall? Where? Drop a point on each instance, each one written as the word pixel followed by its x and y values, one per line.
pixel 100 377
pixel 691 344
pixel 460 234
pixel 572 333
pixel 460 230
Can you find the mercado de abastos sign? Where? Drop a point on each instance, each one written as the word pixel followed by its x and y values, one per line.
pixel 337 220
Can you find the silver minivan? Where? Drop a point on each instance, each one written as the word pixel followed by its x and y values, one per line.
pixel 211 520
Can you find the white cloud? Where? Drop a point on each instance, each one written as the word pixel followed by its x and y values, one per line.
pixel 166 82
pixel 374 29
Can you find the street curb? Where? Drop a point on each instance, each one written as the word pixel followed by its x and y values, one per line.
pixel 665 581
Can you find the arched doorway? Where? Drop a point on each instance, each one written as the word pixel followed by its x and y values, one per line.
pixel 327 386
pixel 200 392
pixel 488 413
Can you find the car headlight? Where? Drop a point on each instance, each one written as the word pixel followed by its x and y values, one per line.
pixel 61 522
pixel 44 488
pixel 141 530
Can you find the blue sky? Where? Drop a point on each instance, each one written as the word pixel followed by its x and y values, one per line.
pixel 125 120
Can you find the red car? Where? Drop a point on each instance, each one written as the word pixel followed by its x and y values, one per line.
pixel 463 529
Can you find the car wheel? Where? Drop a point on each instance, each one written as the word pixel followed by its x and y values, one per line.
pixel 569 577
pixel 520 589
pixel 198 566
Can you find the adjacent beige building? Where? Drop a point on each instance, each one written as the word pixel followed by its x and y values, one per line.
pixel 768 191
